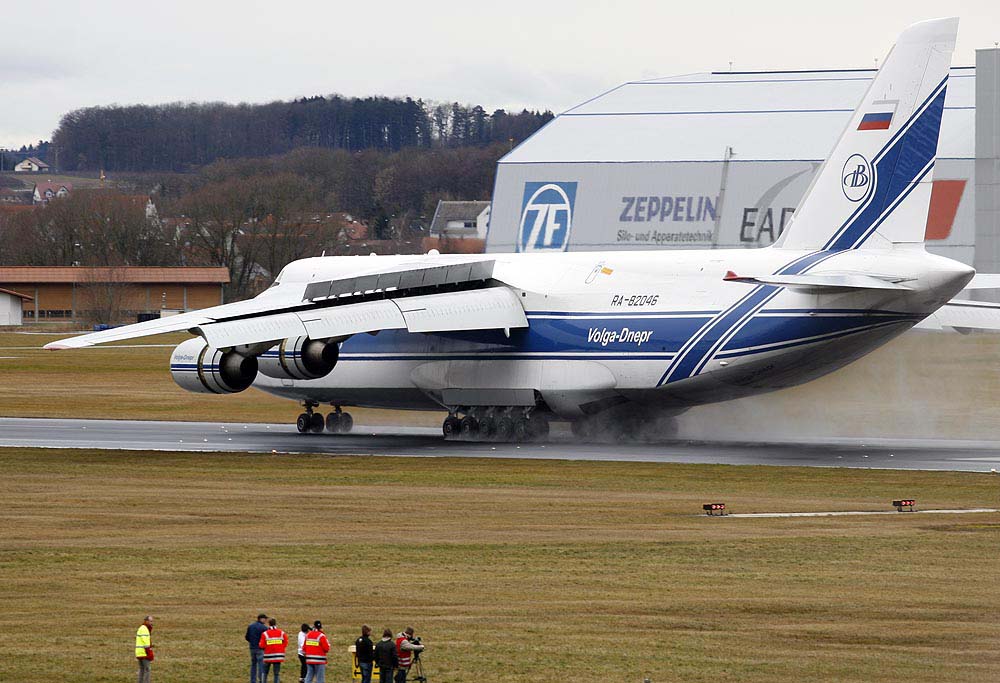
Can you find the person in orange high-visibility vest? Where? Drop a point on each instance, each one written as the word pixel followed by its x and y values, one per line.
pixel 273 642
pixel 315 649
pixel 406 647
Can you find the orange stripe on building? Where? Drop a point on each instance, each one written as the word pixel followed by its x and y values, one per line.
pixel 945 197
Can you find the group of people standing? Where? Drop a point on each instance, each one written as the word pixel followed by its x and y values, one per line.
pixel 388 654
pixel 268 644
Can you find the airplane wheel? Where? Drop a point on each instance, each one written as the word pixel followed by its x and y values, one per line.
pixel 316 423
pixel 522 429
pixel 346 423
pixel 505 427
pixel 487 427
pixel 539 427
pixel 334 422
pixel 581 429
pixel 302 423
pixel 451 426
pixel 468 427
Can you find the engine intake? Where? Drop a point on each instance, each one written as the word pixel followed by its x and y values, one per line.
pixel 300 358
pixel 199 368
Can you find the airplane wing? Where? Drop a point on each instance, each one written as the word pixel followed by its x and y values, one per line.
pixel 477 309
pixel 420 298
pixel 967 315
pixel 821 282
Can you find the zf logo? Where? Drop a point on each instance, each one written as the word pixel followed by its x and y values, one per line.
pixel 856 178
pixel 546 216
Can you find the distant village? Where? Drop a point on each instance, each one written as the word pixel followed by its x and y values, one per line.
pixel 99 292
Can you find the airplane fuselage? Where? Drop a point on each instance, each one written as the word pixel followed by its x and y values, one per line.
pixel 661 330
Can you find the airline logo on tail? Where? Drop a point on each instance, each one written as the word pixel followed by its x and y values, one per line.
pixel 546 216
pixel 856 177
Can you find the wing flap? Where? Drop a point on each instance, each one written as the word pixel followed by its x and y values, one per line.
pixel 481 309
pixel 252 330
pixel 352 319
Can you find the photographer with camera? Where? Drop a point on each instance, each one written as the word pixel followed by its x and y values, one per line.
pixel 408 649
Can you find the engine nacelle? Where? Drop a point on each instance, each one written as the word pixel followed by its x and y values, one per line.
pixel 199 368
pixel 300 358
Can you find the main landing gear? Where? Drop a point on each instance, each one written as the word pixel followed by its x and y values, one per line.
pixel 495 423
pixel 337 422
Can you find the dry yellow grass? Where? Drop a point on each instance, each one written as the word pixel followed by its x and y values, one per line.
pixel 513 571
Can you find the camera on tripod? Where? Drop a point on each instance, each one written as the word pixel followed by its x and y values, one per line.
pixel 418 667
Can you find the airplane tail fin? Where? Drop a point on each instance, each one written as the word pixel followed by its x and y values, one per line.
pixel 874 189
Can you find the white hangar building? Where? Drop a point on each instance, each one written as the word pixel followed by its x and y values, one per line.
pixel 721 159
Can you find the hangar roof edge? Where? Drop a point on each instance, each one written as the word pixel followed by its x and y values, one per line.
pixel 761 116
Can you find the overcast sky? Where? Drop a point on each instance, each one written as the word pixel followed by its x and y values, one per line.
pixel 64 54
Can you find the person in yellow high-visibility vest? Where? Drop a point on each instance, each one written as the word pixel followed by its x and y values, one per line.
pixel 144 648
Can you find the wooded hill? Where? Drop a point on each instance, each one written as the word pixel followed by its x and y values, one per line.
pixel 182 137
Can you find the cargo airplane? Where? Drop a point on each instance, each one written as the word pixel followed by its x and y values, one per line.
pixel 611 341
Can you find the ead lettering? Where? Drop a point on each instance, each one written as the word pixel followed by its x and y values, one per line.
pixel 760 222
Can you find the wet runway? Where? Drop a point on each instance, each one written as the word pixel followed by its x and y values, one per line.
pixel 974 456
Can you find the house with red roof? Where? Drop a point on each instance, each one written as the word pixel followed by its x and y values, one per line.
pixel 46 191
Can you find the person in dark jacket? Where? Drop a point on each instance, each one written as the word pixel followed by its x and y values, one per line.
pixel 364 650
pixel 256 653
pixel 385 656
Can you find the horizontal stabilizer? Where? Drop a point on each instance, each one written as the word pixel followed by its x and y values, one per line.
pixel 969 315
pixel 984 281
pixel 821 282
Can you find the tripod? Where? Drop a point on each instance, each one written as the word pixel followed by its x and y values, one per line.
pixel 418 669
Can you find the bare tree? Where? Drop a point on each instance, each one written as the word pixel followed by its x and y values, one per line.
pixel 105 295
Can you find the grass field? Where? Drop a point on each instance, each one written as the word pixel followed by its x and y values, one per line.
pixel 512 571
pixel 79 182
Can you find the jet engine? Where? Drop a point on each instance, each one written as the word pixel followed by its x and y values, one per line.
pixel 199 368
pixel 300 358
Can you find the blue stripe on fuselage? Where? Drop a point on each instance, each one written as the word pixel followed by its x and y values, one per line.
pixel 567 338
pixel 763 331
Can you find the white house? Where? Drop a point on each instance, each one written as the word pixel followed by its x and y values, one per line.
pixel 31 165
pixel 49 190
pixel 10 306
pixel 461 219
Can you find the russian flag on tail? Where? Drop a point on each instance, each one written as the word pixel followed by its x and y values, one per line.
pixel 880 119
